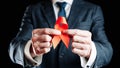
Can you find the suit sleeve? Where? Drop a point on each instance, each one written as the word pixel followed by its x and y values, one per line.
pixel 16 47
pixel 103 46
pixel 36 61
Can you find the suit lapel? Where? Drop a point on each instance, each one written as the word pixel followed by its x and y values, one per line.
pixel 49 13
pixel 73 16
pixel 74 13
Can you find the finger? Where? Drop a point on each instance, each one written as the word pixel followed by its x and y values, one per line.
pixel 46 50
pixel 42 51
pixel 35 45
pixel 44 45
pixel 42 38
pixel 80 52
pixel 82 39
pixel 78 46
pixel 73 32
pixel 45 38
pixel 41 44
pixel 46 31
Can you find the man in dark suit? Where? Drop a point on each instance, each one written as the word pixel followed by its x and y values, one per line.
pixel 88 47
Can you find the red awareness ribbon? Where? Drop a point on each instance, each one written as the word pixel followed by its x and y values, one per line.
pixel 61 24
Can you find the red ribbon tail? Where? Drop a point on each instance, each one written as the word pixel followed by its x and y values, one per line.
pixel 65 39
pixel 55 41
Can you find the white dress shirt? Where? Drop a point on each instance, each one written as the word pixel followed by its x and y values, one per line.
pixel 84 63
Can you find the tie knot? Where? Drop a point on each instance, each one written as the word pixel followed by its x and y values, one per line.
pixel 62 10
pixel 61 4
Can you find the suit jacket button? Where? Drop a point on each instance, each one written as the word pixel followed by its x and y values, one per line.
pixel 88 66
pixel 60 56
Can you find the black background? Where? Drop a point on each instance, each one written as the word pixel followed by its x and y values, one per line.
pixel 11 13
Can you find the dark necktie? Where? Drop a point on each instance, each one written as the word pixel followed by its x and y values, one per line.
pixel 61 24
pixel 62 9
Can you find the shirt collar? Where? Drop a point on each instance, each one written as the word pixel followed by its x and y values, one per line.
pixel 67 1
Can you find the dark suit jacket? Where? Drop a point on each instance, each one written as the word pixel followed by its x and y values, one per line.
pixel 83 15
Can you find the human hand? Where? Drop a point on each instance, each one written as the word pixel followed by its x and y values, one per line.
pixel 81 43
pixel 41 40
